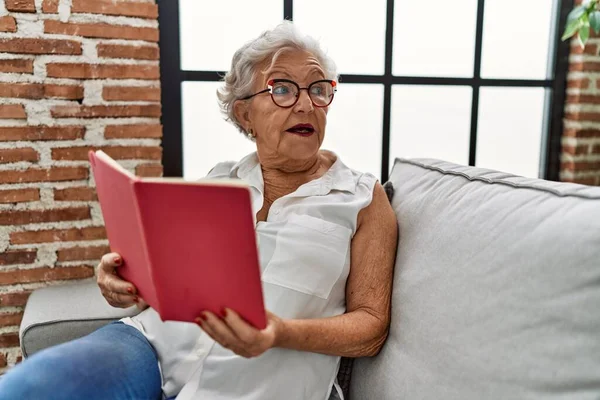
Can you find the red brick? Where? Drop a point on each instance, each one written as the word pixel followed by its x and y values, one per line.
pixel 12 111
pixel 40 46
pixel 17 155
pixel 22 217
pixel 583 83
pixel 131 52
pixel 583 99
pixel 22 90
pixel 591 49
pixel 76 194
pixel 106 111
pixel 149 170
pixel 82 253
pixel 2 360
pixel 583 116
pixel 54 174
pixel 131 93
pixel 58 235
pixel 101 30
pixel 18 257
pixel 20 66
pixel 68 92
pixel 102 71
pixel 44 274
pixel 575 150
pixel 50 6
pixel 19 195
pixel 133 131
pixel 10 319
pixel 116 152
pixel 582 181
pixel 585 66
pixel 9 340
pixel 8 24
pixel 579 166
pixel 24 6
pixel 14 299
pixel 116 7
pixel 10 134
pixel 596 149
pixel 582 133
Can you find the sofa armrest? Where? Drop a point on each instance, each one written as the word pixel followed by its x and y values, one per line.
pixel 58 314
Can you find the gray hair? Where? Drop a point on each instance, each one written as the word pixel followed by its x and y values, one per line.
pixel 238 82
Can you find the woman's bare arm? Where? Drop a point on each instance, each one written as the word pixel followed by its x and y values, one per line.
pixel 363 329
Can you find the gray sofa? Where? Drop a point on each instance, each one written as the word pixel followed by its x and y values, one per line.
pixel 496 291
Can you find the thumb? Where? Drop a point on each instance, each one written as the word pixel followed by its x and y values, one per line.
pixel 141 304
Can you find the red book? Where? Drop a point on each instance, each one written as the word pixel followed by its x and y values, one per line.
pixel 188 247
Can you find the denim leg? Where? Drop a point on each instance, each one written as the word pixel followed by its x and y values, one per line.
pixel 115 362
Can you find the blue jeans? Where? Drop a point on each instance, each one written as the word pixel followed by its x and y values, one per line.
pixel 115 362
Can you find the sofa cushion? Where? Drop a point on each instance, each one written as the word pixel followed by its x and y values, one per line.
pixel 57 314
pixel 496 289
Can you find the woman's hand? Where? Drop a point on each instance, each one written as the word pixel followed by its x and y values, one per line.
pixel 116 291
pixel 235 334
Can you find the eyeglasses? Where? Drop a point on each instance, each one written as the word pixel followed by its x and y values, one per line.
pixel 285 93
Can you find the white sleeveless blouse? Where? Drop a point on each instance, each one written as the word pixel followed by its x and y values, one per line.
pixel 304 249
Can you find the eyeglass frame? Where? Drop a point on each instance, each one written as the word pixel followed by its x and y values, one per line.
pixel 272 82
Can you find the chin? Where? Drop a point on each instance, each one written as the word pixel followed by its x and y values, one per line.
pixel 303 151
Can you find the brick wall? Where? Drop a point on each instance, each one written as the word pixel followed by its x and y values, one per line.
pixel 580 159
pixel 74 75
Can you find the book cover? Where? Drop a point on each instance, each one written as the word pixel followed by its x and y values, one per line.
pixel 188 247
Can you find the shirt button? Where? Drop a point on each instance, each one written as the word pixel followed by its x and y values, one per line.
pixel 277 211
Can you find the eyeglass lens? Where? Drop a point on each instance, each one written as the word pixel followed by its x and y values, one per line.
pixel 285 94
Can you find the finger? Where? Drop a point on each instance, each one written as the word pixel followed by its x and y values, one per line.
pixel 110 261
pixel 115 284
pixel 141 304
pixel 243 330
pixel 220 331
pixel 120 300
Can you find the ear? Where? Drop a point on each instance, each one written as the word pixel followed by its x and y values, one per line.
pixel 241 112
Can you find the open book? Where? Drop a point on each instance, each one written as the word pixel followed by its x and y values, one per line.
pixel 188 247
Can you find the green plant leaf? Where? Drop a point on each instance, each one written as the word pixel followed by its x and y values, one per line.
pixel 584 35
pixel 595 21
pixel 576 13
pixel 571 29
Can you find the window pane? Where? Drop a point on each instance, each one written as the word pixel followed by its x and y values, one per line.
pixel 207 138
pixel 431 122
pixel 434 37
pixel 354 126
pixel 516 39
pixel 353 36
pixel 211 31
pixel 510 129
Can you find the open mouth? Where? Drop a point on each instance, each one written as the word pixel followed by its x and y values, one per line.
pixel 302 129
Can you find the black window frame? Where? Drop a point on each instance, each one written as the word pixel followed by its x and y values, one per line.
pixel 172 77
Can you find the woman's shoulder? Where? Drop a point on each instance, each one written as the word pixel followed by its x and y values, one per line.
pixel 226 169
pixel 221 170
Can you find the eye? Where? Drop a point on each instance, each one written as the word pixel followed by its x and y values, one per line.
pixel 280 89
pixel 317 90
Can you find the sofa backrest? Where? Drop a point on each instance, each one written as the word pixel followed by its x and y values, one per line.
pixel 496 289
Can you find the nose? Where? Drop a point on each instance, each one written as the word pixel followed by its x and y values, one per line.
pixel 304 103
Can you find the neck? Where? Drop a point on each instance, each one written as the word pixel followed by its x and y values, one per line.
pixel 281 181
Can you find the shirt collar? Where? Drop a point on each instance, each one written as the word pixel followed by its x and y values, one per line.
pixel 338 177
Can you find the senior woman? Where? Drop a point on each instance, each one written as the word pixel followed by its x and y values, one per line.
pixel 327 240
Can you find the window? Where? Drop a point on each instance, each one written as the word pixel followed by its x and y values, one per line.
pixel 478 82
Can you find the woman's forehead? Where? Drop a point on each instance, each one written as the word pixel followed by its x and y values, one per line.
pixel 295 65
